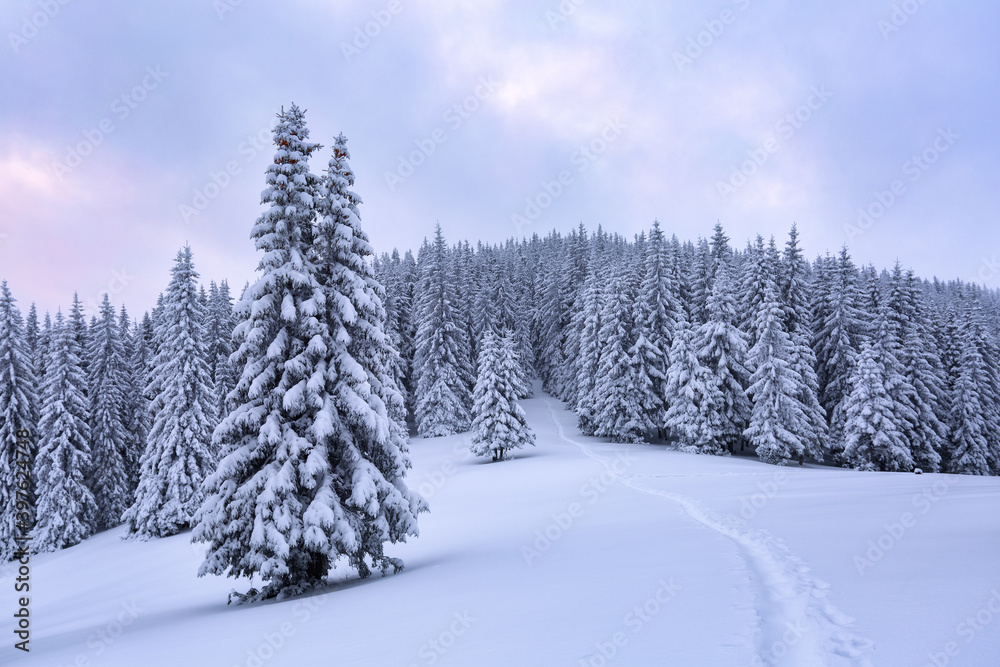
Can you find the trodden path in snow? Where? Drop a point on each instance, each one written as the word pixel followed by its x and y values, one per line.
pixel 798 626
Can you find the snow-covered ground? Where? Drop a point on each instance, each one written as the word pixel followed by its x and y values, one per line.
pixel 578 552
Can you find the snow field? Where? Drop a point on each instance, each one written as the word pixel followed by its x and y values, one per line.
pixel 650 556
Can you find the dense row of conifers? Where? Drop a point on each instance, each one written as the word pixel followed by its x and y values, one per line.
pixel 719 349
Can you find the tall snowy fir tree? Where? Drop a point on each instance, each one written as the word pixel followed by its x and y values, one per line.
pixel 443 375
pixel 588 357
pixel 77 323
pixel 178 455
pixel 499 424
pixel 620 405
pixel 757 271
pixel 549 322
pixel 65 507
pixel 722 349
pixel 571 294
pixel 366 437
pixel 219 344
pixel 109 480
pixel 970 453
pixel 792 282
pixel 984 336
pixel 18 401
pixel 838 342
pixel 388 272
pixel 296 490
pixel 259 516
pixel 920 388
pixel 778 428
pixel 658 315
pixel 135 415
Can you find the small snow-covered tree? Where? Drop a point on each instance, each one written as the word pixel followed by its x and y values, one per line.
pixel 17 419
pixel 499 424
pixel 65 507
pixel 109 480
pixel 178 455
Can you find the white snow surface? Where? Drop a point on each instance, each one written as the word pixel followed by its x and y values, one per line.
pixel 653 557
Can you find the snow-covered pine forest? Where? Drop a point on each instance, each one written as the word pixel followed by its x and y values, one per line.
pixel 720 349
pixel 333 354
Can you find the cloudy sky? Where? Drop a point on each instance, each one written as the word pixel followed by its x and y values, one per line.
pixel 128 129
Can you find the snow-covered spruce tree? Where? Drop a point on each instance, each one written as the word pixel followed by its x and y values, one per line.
pixel 703 270
pixel 219 344
pixel 983 332
pixel 970 452
pixel 135 415
pixel 77 322
pixel 574 274
pixel 549 323
pixel 365 440
pixel 757 270
pixel 885 339
pixel 65 507
pixel 109 479
pixel 499 424
pixel 914 361
pixel 295 490
pixel 265 512
pixel 17 416
pixel 778 425
pixel 444 378
pixel 925 370
pixel 407 303
pixel 396 304
pixel 872 437
pixel 497 307
pixel 619 394
pixel 680 276
pixel 460 261
pixel 33 339
pixel 722 349
pixel 659 313
pixel 694 415
pixel 837 344
pixel 588 359
pixel 178 455
pixel 42 353
pixel 792 277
